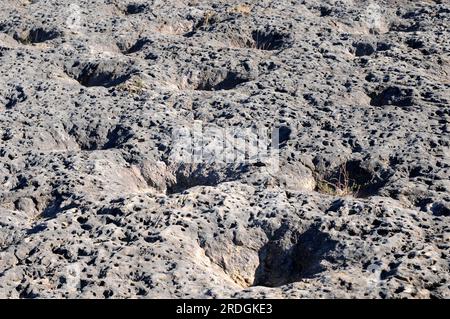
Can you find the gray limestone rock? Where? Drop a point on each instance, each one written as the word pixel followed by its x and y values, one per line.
pixel 224 149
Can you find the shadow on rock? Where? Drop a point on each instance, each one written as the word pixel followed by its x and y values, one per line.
pixel 291 256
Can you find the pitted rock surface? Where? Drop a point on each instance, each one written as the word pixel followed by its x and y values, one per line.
pixel 92 205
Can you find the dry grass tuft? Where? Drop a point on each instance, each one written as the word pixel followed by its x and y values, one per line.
pixel 242 8
pixel 135 86
pixel 342 185
pixel 209 17
pixel 173 29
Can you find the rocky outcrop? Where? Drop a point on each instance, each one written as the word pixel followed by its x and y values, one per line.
pixel 101 100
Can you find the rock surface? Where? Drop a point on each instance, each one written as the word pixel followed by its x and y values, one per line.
pixel 94 205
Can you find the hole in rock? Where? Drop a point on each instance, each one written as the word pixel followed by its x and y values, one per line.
pixel 270 40
pixel 383 46
pixel 363 48
pixel 291 256
pixel 406 27
pixel 27 292
pixel 36 229
pixel 212 80
pixel 15 96
pixel 118 136
pixel 352 178
pixel 441 209
pixel 188 176
pixel 393 96
pixel 55 206
pixel 37 35
pixel 138 46
pixel 104 73
pixel 325 11
pixel 206 22
pixel 283 134
pixel 415 43
pixel 101 136
pixel 135 8
pixel 231 81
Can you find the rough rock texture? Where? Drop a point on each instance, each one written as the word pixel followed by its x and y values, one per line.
pixel 93 205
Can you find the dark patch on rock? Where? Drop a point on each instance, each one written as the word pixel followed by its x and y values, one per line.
pixel 136 8
pixel 363 48
pixel 441 209
pixel 191 175
pixel 414 43
pixel 270 39
pixel 231 81
pixel 105 73
pixel 290 256
pixel 118 136
pixel 141 43
pixel 15 96
pixel 37 35
pixel 393 95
